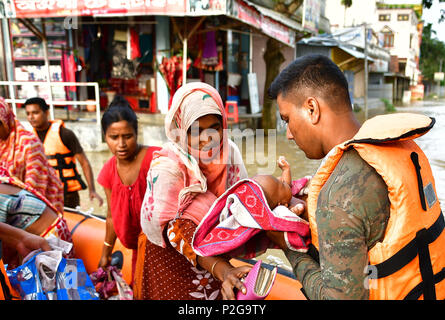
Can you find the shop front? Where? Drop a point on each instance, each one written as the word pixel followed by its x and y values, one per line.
pixel 135 48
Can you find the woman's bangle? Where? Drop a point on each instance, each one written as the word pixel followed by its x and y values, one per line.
pixel 107 244
pixel 213 267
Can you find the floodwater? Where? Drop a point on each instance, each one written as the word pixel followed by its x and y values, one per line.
pixel 433 143
pixel 261 158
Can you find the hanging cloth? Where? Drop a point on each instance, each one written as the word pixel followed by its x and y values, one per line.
pixel 69 68
pixel 133 48
pixel 210 52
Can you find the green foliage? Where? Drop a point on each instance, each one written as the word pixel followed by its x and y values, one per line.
pixel 346 3
pixel 389 107
pixel 432 51
pixel 428 3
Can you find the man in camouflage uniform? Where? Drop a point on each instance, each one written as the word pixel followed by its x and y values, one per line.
pixel 353 206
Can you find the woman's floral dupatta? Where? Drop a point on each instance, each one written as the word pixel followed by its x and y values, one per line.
pixel 177 184
pixel 23 156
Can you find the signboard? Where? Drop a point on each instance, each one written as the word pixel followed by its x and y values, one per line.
pixel 71 8
pixel 205 7
pixel 311 13
pixel 253 93
pixel 66 8
pixel 379 65
pixel 273 28
pixel 438 76
pixel 277 31
pixel 246 13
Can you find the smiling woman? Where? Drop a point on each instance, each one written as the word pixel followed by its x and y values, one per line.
pixel 181 189
pixel 204 137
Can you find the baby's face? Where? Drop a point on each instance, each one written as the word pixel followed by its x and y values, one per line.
pixel 276 191
pixel 283 194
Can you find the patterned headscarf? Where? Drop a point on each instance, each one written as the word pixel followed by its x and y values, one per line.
pixel 179 185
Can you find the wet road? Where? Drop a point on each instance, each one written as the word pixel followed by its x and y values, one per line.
pixel 433 143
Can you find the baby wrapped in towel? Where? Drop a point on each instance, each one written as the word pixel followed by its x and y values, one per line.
pixel 236 221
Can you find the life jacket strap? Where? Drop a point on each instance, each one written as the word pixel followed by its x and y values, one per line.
pixel 417 291
pixel 415 159
pixel 4 286
pixel 416 247
pixel 62 164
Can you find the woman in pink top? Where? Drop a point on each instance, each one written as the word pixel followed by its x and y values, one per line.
pixel 197 164
pixel 123 178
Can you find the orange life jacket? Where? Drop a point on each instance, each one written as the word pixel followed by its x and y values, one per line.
pixel 409 262
pixel 62 159
pixel 6 290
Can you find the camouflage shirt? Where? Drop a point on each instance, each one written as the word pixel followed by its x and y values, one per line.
pixel 352 212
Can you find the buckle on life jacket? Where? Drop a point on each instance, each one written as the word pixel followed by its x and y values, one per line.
pixel 417 246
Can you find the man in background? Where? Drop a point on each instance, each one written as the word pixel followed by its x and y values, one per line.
pixel 62 149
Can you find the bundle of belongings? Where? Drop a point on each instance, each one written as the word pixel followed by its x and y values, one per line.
pixel 110 284
pixel 49 275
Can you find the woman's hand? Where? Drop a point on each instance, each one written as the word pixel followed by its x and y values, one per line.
pixel 277 237
pixel 221 269
pixel 105 261
pixel 94 195
pixel 232 279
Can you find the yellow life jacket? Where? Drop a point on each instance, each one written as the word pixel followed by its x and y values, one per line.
pixel 61 158
pixel 409 262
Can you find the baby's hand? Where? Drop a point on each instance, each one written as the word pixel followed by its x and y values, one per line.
pixel 282 163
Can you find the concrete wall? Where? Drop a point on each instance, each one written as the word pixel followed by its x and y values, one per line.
pixel 88 134
pixel 258 64
pixel 303 50
pixel 162 44
pixel 359 84
pixel 380 91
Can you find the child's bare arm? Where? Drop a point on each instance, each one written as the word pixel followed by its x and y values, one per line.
pixel 286 175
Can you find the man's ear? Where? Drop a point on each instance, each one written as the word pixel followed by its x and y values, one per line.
pixel 313 109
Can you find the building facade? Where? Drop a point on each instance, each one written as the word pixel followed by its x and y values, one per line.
pixel 398 28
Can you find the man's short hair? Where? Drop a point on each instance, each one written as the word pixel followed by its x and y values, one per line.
pixel 316 72
pixel 38 101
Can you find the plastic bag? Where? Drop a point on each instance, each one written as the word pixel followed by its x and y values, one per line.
pixel 110 285
pixel 125 292
pixel 49 276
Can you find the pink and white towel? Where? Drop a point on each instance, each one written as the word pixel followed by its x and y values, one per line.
pixel 235 222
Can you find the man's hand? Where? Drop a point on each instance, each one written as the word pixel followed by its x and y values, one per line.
pixel 30 242
pixel 298 207
pixel 23 241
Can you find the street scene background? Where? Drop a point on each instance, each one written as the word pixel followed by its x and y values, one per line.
pixel 78 55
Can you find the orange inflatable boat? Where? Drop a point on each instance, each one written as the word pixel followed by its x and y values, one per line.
pixel 88 232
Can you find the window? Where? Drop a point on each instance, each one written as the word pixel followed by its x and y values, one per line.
pixel 388 39
pixel 402 17
pixel 384 17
